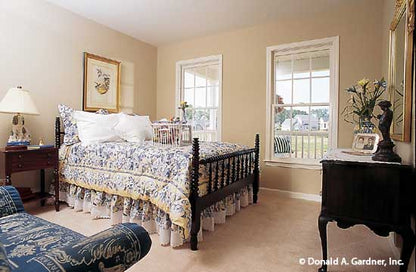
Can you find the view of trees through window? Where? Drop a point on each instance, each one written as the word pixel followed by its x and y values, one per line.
pixel 301 105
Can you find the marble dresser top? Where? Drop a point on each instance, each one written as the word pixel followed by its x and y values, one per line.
pixel 348 155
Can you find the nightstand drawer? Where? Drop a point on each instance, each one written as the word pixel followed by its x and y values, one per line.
pixel 32 165
pixel 33 156
pixel 32 160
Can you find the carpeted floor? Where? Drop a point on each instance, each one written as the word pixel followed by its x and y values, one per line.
pixel 270 236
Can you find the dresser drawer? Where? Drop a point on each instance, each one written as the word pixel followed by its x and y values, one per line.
pixel 377 193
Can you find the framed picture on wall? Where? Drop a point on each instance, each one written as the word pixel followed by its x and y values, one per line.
pixel 101 83
pixel 365 142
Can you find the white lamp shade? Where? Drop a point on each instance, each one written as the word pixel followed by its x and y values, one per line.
pixel 18 100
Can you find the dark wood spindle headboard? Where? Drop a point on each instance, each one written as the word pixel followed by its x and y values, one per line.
pixel 58 132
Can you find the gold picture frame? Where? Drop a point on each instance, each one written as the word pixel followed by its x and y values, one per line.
pixel 400 68
pixel 101 83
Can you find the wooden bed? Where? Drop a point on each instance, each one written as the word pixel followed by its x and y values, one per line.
pixel 227 173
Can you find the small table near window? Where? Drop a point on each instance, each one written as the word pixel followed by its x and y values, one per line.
pixel 357 190
pixel 14 161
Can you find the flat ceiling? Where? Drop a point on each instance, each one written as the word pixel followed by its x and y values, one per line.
pixel 160 22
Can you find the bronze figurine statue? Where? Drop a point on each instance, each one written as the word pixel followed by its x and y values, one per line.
pixel 385 119
pixel 385 147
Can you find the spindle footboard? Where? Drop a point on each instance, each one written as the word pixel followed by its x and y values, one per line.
pixel 227 174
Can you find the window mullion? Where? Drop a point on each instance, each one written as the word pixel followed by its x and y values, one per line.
pixel 291 108
pixel 310 101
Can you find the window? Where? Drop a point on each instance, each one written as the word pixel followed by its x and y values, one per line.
pixel 302 88
pixel 199 84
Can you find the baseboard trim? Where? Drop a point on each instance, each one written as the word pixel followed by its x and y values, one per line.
pixel 297 195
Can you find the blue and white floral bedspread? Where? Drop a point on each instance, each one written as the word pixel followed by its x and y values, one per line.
pixel 159 174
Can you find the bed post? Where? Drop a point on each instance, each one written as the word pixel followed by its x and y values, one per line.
pixel 256 168
pixel 193 197
pixel 58 132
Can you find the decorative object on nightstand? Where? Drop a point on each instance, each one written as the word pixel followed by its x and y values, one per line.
pixel 360 106
pixel 14 161
pixel 385 147
pixel 18 101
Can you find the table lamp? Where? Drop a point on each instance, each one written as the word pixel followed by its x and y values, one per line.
pixel 18 101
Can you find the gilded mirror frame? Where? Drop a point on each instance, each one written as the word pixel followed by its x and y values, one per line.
pixel 403 9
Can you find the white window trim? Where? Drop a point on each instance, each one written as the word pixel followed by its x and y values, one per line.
pixel 197 61
pixel 332 44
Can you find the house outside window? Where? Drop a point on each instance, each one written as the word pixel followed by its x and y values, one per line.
pixel 302 98
pixel 199 83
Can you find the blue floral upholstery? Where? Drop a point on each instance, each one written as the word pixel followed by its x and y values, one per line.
pixel 4 262
pixel 10 201
pixel 34 244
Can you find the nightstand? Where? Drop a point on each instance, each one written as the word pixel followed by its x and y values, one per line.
pixel 14 161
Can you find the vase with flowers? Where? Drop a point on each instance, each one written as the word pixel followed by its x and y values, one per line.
pixel 360 106
pixel 183 106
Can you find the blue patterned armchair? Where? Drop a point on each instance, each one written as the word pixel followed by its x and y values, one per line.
pixel 29 243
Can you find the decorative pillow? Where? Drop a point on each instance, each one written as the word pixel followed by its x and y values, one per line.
pixel 96 128
pixel 134 128
pixel 70 126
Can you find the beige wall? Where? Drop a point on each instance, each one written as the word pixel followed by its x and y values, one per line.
pixel 244 75
pixel 41 48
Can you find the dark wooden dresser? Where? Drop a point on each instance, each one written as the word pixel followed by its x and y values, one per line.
pixel 13 161
pixel 357 190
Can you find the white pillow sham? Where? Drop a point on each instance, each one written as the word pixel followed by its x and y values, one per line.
pixel 134 128
pixel 96 128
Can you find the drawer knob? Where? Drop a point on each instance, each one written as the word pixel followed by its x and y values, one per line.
pixel 19 165
pixel 19 156
pixel 49 155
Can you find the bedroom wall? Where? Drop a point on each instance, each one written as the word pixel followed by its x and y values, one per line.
pixel 244 75
pixel 41 48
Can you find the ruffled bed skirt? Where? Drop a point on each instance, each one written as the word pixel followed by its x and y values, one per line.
pixel 122 209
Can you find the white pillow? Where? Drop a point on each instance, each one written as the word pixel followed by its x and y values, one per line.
pixel 134 128
pixel 96 128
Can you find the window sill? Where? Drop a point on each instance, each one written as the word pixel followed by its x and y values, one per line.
pixel 288 163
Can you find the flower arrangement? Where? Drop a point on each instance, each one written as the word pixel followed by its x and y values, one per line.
pixel 364 97
pixel 183 106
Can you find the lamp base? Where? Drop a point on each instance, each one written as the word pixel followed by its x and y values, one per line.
pixel 19 135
